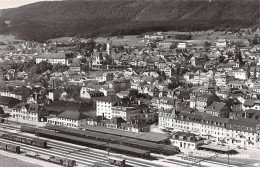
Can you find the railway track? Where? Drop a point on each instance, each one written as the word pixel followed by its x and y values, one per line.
pixel 85 157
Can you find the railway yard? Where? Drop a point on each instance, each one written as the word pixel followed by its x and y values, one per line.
pixel 86 156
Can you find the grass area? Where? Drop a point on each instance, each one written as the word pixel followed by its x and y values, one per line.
pixel 13 162
pixel 126 40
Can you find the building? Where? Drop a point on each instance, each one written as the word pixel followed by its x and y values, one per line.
pixel 203 101
pixel 53 58
pixel 107 91
pixel 73 119
pixel 181 45
pixel 221 79
pixel 240 74
pixel 242 132
pixel 218 109
pixel 168 71
pixel 91 94
pixel 107 77
pixel 186 140
pixel 132 112
pixel 120 85
pixel 8 102
pixel 30 112
pixel 104 105
pixel 221 43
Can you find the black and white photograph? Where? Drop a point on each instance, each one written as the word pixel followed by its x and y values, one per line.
pixel 129 83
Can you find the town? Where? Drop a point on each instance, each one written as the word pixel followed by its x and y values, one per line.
pixel 168 95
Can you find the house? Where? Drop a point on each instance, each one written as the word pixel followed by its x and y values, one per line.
pixel 251 104
pixel 53 58
pixel 135 126
pixel 119 84
pixel 8 102
pixel 104 105
pixel 20 93
pixel 242 132
pixel 218 109
pixel 30 112
pixel 91 94
pixel 203 101
pixel 221 79
pixel 107 91
pixel 168 71
pixel 186 140
pixel 181 45
pixel 221 43
pixel 131 112
pixel 37 98
pixel 240 74
pixel 75 67
pixel 73 119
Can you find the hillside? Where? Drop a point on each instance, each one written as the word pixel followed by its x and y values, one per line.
pixel 50 19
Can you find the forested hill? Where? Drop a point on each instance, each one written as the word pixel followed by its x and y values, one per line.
pixel 49 19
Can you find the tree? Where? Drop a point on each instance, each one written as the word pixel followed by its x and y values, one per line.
pixel 44 66
pixel 173 46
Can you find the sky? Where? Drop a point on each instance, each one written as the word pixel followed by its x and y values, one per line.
pixel 15 3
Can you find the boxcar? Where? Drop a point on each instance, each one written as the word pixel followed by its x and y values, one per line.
pixel 27 141
pixel 69 162
pixel 31 154
pixel 44 157
pixel 40 143
pixel 28 129
pixel 118 161
pixel 16 138
pixel 56 160
pixel 13 148
pixel 3 146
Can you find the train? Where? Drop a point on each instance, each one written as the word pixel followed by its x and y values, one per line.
pixel 116 160
pixel 10 147
pixel 159 148
pixel 50 158
pixel 31 141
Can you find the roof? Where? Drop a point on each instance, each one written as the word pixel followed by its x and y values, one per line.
pixel 242 124
pixel 216 106
pixel 147 136
pixel 137 125
pixel 73 115
pixel 61 106
pixel 22 91
pixel 115 120
pixel 51 55
pixel 9 101
pixel 110 99
pixel 215 147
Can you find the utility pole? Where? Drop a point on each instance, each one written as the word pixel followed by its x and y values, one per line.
pixel 107 148
pixel 228 155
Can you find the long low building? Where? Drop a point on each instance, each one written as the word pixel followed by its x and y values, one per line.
pixel 240 132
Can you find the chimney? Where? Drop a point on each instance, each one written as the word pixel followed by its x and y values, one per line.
pixel 53 84
pixel 139 102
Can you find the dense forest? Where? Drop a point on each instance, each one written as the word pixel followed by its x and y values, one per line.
pixel 88 18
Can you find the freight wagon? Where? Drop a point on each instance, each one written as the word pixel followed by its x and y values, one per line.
pixel 10 147
pixel 118 161
pixel 30 141
pixel 50 158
